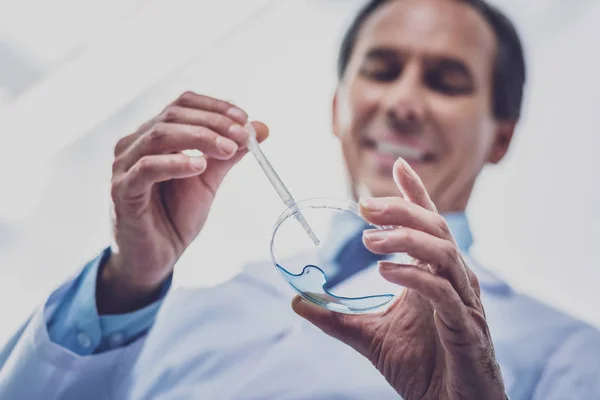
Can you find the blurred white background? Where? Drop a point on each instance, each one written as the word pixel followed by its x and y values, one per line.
pixel 76 75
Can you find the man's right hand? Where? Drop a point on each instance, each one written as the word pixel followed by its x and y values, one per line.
pixel 162 196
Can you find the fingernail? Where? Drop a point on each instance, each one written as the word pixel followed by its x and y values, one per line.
pixel 239 132
pixel 237 114
pixel 388 266
pixel 372 204
pixel 226 145
pixel 375 235
pixel 197 163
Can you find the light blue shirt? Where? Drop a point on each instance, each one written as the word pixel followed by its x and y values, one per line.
pixel 241 340
pixel 77 326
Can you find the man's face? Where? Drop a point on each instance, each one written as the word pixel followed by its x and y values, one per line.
pixel 419 86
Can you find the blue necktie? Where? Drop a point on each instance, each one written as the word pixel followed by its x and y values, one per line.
pixel 352 258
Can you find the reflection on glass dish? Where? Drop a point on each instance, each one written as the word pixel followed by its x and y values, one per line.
pixel 306 265
pixel 311 281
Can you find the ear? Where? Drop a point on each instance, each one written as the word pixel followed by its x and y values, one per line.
pixel 502 139
pixel 334 114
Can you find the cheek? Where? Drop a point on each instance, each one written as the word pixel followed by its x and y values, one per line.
pixel 463 127
pixel 356 109
pixel 362 105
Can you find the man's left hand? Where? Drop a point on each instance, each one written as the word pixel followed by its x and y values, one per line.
pixel 433 342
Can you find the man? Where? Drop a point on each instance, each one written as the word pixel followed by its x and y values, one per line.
pixel 438 81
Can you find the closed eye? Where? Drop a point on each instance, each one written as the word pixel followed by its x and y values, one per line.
pixel 449 77
pixel 381 65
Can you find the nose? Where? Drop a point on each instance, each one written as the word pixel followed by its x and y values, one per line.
pixel 405 102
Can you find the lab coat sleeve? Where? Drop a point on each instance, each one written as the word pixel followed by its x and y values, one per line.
pixel 76 324
pixel 34 367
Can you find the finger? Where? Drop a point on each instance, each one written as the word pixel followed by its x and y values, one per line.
pixel 395 211
pixel 436 289
pixel 217 169
pixel 164 138
pixel 123 144
pixel 206 103
pixel 216 122
pixel 193 101
pixel 474 281
pixel 153 169
pixel 349 329
pixel 411 185
pixel 442 255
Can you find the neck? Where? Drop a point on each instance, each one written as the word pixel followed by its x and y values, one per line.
pixel 452 202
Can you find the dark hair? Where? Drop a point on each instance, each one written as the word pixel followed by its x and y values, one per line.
pixel 509 68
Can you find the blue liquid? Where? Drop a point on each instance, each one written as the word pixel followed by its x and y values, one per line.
pixel 311 284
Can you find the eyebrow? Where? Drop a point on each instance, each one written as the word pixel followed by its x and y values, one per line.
pixel 452 64
pixel 379 53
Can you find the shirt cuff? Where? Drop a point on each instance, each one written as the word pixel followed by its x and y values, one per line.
pixel 77 326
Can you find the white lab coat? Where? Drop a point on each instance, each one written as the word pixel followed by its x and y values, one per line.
pixel 57 373
pixel 257 348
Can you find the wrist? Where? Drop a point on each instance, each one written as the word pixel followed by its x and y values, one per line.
pixel 117 290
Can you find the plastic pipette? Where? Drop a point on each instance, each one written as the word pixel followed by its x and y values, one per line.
pixel 280 188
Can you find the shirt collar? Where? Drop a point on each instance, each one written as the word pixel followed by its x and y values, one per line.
pixel 460 229
pixel 345 225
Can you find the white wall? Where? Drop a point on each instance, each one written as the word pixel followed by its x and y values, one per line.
pixel 535 215
pixel 532 216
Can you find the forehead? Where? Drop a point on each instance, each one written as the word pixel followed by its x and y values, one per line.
pixel 431 28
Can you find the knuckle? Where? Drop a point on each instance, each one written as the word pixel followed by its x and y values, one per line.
pixel 158 133
pixel 442 225
pixel 452 254
pixel 121 145
pixel 115 189
pixel 171 113
pixel 480 328
pixel 217 121
pixel 407 237
pixel 143 166
pixel 186 97
pixel 473 280
pixel 116 165
pixel 204 134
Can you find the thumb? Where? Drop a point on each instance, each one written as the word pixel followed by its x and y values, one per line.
pixel 348 328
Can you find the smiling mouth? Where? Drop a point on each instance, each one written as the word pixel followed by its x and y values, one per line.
pixel 396 150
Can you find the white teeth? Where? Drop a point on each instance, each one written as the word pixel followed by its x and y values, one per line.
pixel 399 151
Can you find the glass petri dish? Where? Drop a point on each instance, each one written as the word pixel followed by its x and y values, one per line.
pixel 338 273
